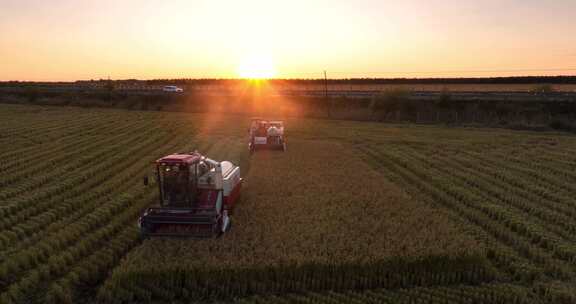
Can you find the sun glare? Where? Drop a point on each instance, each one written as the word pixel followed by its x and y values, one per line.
pixel 257 67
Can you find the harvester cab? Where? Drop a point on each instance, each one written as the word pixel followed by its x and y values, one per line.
pixel 266 134
pixel 196 197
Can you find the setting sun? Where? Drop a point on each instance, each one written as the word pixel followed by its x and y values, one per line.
pixel 257 67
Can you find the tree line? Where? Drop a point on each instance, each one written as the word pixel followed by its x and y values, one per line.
pixel 340 81
pixel 390 105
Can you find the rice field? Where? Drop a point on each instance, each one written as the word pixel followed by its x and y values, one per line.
pixel 351 213
pixel 312 218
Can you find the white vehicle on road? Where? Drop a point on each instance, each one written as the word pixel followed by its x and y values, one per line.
pixel 172 88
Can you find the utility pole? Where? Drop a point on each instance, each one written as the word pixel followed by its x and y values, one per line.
pixel 325 85
pixel 328 101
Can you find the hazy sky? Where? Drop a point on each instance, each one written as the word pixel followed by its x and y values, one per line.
pixel 85 39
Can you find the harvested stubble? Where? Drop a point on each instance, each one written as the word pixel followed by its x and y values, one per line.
pixel 313 218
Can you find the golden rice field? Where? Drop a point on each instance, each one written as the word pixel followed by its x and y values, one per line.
pixel 312 218
pixel 353 212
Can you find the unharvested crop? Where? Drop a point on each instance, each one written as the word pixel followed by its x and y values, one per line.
pixel 71 193
pixel 374 212
pixel 315 217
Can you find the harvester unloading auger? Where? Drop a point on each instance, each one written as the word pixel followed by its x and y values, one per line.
pixel 197 195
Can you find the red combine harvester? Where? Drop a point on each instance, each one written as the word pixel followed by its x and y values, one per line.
pixel 268 134
pixel 197 196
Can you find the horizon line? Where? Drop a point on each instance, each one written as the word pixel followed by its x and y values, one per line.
pixel 295 79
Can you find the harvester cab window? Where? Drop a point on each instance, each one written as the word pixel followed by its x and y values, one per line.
pixel 262 130
pixel 174 184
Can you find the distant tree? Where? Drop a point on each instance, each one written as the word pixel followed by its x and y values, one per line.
pixel 542 89
pixel 445 97
pixel 444 102
pixel 32 94
pixel 561 125
pixel 389 101
pixel 503 111
pixel 529 112
pixel 411 107
pixel 109 87
pixel 487 109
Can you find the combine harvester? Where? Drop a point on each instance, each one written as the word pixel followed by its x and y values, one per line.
pixel 267 134
pixel 197 196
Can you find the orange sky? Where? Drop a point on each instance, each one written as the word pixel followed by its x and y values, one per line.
pixel 69 40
